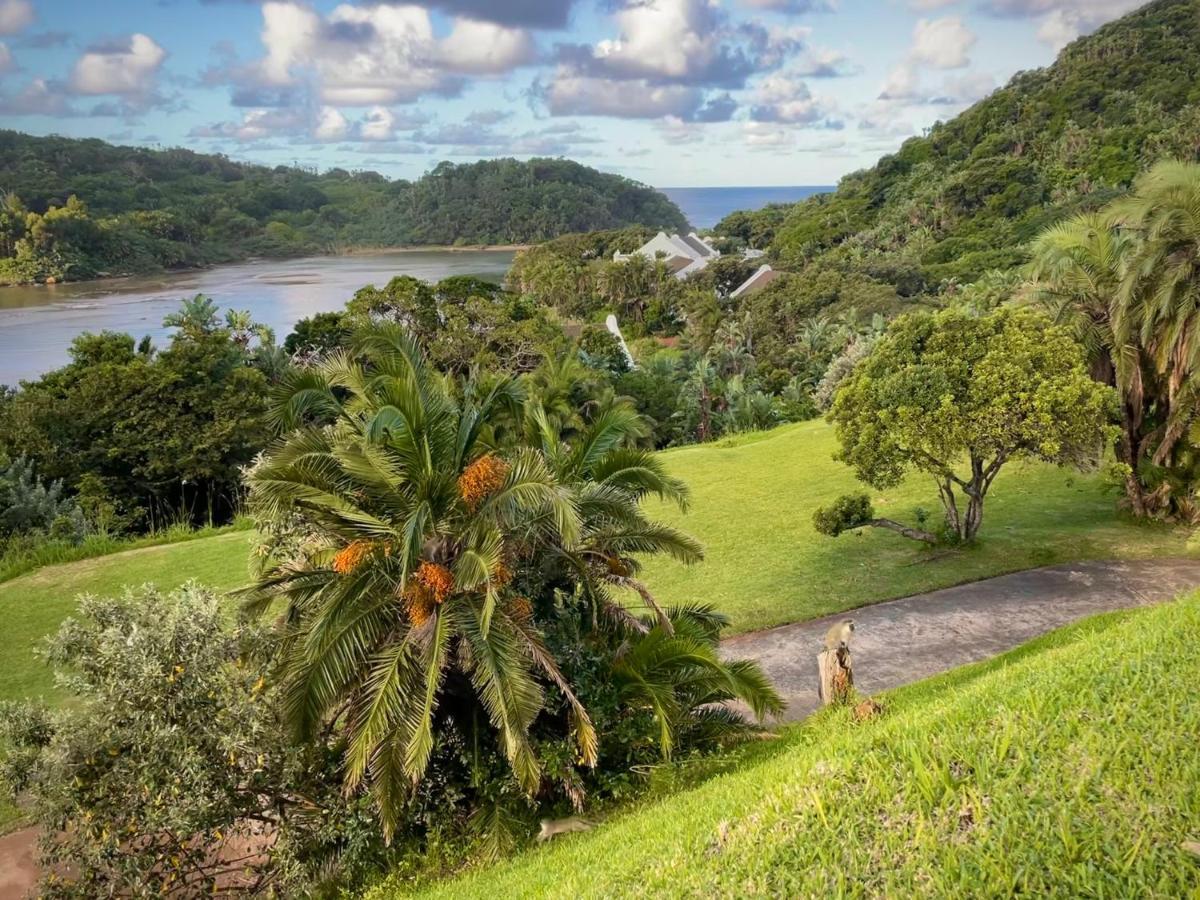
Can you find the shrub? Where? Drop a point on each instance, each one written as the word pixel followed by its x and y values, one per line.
pixel 846 513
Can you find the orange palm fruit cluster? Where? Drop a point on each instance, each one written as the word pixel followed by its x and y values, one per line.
pixel 521 609
pixel 438 580
pixel 482 478
pixel 418 603
pixel 351 556
pixel 501 575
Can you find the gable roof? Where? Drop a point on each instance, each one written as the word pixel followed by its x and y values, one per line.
pixel 756 282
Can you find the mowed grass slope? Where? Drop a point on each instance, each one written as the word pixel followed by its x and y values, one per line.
pixel 1068 768
pixel 752 503
pixel 33 605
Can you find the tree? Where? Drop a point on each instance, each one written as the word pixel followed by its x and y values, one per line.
pixel 401 602
pixel 957 397
pixel 170 772
pixel 1128 281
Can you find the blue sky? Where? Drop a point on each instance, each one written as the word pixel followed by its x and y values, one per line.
pixel 670 92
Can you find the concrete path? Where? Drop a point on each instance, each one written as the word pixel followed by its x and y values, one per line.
pixel 906 640
pixel 895 643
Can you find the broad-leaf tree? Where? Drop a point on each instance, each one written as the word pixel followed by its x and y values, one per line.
pixel 957 397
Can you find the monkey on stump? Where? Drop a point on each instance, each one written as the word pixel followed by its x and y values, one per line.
pixel 834 666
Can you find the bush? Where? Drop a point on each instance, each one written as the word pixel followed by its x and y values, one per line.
pixel 846 513
pixel 172 757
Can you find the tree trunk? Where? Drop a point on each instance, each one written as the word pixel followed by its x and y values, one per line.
pixel 914 534
pixel 836 675
pixel 973 519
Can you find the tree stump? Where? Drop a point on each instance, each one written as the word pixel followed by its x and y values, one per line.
pixel 836 675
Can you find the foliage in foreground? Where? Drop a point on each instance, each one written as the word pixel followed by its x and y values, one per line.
pixel 171 772
pixel 1066 768
pixel 443 554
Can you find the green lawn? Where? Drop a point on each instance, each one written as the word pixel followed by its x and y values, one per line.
pixel 33 605
pixel 1067 768
pixel 752 506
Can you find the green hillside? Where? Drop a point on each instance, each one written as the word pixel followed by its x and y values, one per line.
pixel 966 198
pixel 1064 768
pixel 752 505
pixel 139 209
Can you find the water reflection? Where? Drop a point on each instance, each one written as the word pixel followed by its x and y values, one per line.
pixel 38 323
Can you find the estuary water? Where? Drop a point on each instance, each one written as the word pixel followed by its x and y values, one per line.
pixel 39 322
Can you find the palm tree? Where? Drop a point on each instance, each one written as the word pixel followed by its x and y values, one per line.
pixel 400 592
pixel 609 477
pixel 1129 279
pixel 196 315
pixel 1160 293
pixel 1076 273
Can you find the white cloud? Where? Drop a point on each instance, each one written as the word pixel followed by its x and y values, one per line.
pixel 663 37
pixel 331 125
pixel 378 55
pixel 1063 20
pixel 486 48
pixel 903 83
pixel 942 43
pixel 785 98
pixel 573 94
pixel 15 15
pixel 6 59
pixel 126 67
pixel 765 136
pixel 379 124
pixel 930 5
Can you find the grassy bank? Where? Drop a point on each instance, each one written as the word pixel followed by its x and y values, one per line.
pixel 1067 767
pixel 33 605
pixel 752 505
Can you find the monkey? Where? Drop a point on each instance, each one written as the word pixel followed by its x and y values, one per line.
pixel 838 637
pixel 554 827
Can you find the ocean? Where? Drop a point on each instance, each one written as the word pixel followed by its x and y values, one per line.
pixel 706 206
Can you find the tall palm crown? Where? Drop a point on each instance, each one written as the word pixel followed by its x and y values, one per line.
pixel 1129 279
pixel 1160 293
pixel 399 590
pixel 412 527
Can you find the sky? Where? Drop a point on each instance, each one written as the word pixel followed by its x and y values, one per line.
pixel 668 92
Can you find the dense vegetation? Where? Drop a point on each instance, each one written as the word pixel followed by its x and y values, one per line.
pixel 477 603
pixel 77 209
pixel 1064 768
pixel 965 199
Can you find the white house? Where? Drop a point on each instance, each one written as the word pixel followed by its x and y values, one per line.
pixel 683 254
pixel 688 254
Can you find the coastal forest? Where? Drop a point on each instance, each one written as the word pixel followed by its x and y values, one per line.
pixel 80 209
pixel 453 592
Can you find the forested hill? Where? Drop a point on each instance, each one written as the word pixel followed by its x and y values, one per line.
pixel 138 209
pixel 965 199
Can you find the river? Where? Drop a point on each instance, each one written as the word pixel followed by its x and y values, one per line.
pixel 39 322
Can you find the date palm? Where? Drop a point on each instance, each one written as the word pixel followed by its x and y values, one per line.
pixel 609 478
pixel 397 593
pixel 1129 279
pixel 1160 293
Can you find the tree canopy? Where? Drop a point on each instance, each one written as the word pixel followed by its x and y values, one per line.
pixel 957 397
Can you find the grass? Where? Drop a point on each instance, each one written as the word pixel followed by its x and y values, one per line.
pixel 51 553
pixel 34 604
pixel 1068 767
pixel 752 503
